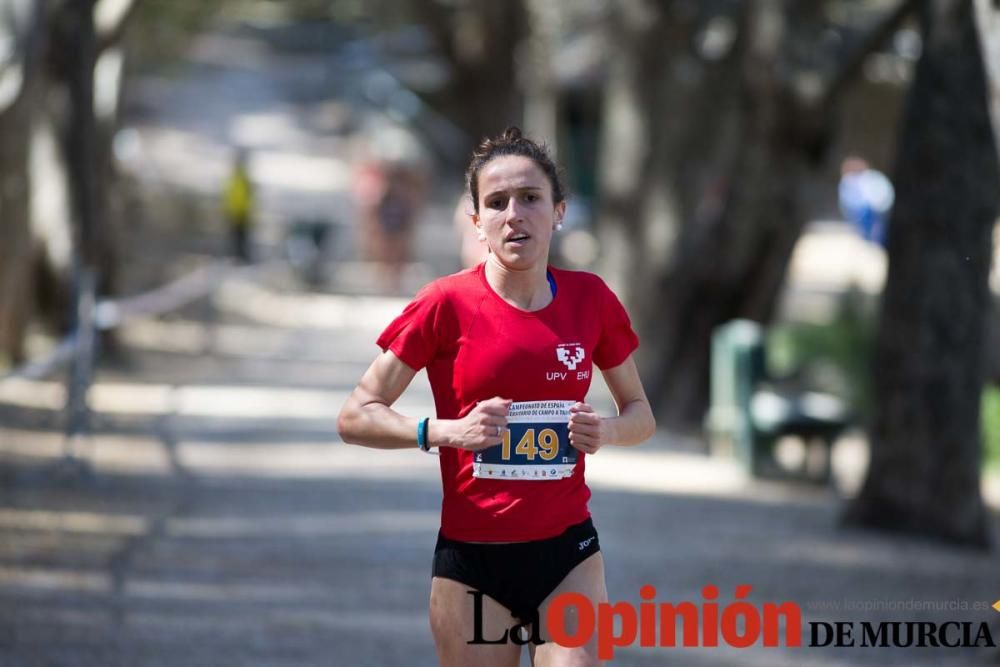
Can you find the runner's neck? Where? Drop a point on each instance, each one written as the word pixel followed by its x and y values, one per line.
pixel 529 290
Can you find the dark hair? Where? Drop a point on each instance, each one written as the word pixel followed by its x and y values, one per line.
pixel 512 142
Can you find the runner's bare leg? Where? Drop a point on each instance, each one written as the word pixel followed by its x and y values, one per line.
pixel 586 578
pixel 452 612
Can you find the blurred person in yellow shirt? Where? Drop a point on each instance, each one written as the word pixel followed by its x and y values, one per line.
pixel 238 206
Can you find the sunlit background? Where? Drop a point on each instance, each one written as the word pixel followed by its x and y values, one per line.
pixel 209 210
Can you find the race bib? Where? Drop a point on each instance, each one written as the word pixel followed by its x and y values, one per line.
pixel 535 445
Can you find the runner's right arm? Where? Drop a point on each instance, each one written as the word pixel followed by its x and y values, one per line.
pixel 368 419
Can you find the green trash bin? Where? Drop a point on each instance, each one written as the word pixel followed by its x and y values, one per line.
pixel 737 366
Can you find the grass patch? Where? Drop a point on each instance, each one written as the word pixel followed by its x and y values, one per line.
pixel 991 428
pixel 834 357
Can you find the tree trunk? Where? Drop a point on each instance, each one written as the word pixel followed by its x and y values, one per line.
pixel 988 26
pixel 541 99
pixel 924 475
pixel 731 261
pixel 55 156
pixel 643 115
pixel 19 79
pixel 625 144
pixel 479 38
pixel 733 178
pixel 77 29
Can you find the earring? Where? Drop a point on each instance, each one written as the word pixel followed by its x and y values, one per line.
pixel 558 226
pixel 481 235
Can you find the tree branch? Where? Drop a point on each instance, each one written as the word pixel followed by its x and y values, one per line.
pixel 438 20
pixel 848 69
pixel 988 26
pixel 19 67
pixel 110 19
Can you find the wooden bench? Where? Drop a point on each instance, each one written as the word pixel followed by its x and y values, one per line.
pixel 750 411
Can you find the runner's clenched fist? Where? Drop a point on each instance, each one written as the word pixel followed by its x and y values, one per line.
pixel 585 431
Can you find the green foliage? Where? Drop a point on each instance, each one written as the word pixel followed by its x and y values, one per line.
pixel 991 427
pixel 834 357
pixel 339 11
pixel 162 29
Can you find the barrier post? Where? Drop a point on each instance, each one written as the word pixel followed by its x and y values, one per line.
pixel 81 369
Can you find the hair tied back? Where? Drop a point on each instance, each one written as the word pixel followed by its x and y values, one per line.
pixel 512 133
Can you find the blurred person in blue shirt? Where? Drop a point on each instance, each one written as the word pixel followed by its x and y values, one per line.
pixel 866 197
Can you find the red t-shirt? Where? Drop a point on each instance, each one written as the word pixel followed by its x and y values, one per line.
pixel 476 346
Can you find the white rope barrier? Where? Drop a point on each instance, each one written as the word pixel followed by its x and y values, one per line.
pixel 110 313
pixel 184 290
pixel 36 370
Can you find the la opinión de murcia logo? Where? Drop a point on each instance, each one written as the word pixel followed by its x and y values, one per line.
pixel 739 624
pixel 570 354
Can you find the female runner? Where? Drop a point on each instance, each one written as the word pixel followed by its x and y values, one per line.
pixel 509 347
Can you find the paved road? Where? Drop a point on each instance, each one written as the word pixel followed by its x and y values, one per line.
pixel 225 525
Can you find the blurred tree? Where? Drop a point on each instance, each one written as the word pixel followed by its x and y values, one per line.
pixel 57 120
pixel 85 63
pixel 535 71
pixel 712 112
pixel 22 30
pixel 926 448
pixel 988 27
pixel 73 56
pixel 479 39
pixel 160 30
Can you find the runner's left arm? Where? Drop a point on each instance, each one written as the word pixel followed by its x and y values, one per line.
pixel 634 424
